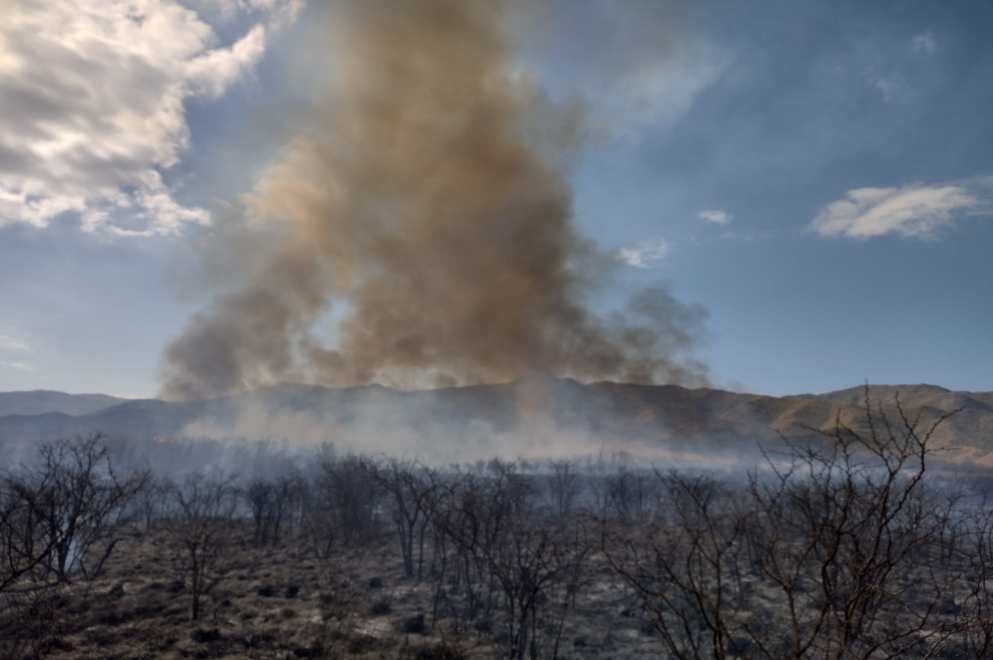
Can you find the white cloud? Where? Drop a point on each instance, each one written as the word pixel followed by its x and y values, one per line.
pixel 924 42
pixel 892 88
pixel 20 366
pixel 645 254
pixel 656 94
pixel 92 112
pixel 648 67
pixel 715 216
pixel 913 211
pixel 11 344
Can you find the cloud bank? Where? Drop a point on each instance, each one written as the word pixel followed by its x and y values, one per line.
pixel 914 211
pixel 92 112
pixel 645 254
pixel 20 366
pixel 715 216
pixel 12 344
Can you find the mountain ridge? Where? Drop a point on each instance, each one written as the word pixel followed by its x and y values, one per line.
pixel 603 412
pixel 36 402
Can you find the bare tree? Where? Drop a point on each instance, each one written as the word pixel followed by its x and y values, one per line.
pixel 564 487
pixel 409 490
pixel 285 491
pixel 201 528
pixel 630 494
pixel 538 565
pixel 351 493
pixel 259 496
pixel 977 605
pixel 681 566
pixel 80 503
pixel 318 522
pixel 23 546
pixel 151 501
pixel 847 541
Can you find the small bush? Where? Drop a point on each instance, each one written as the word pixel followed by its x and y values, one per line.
pixel 441 651
pixel 361 644
pixel 414 625
pixel 202 636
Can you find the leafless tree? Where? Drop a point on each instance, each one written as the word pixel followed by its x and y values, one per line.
pixel 201 528
pixel 976 553
pixel 409 490
pixel 846 540
pixel 681 565
pixel 318 522
pixel 351 494
pixel 23 546
pixel 81 504
pixel 564 486
pixel 630 494
pixel 259 496
pixel 151 501
pixel 538 565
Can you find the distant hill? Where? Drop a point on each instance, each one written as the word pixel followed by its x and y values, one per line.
pixel 39 402
pixel 534 416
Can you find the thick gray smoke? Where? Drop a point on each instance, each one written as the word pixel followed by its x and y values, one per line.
pixel 423 207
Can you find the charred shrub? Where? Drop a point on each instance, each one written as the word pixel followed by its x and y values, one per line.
pixel 205 635
pixel 381 608
pixel 414 625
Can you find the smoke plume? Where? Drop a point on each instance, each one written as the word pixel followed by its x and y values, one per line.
pixel 426 219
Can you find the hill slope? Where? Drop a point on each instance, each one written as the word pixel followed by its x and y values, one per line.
pixel 45 401
pixel 536 416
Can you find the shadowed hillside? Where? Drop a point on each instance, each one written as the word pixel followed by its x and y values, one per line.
pixel 537 416
pixel 46 401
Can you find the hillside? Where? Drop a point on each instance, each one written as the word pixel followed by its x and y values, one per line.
pixel 531 417
pixel 45 401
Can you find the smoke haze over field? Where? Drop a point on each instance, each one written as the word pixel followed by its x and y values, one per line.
pixel 427 216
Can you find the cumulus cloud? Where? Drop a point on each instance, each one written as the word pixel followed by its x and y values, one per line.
pixel 92 112
pixel 924 42
pixel 645 254
pixel 715 216
pixel 912 211
pixel 11 344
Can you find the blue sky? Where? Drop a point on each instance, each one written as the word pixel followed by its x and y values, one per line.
pixel 819 176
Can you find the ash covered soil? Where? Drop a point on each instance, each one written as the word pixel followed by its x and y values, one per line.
pixel 281 602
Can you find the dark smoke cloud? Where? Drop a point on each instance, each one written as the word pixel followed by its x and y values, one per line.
pixel 423 207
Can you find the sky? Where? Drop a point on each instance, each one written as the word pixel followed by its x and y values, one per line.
pixel 818 176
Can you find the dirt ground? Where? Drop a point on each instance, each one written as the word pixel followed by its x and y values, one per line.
pixel 282 602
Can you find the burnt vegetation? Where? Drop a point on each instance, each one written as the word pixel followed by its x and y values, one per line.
pixel 850 547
